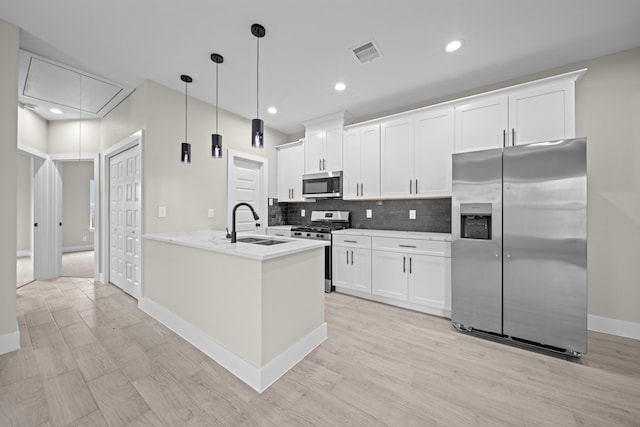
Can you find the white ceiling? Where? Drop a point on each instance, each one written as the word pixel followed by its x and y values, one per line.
pixel 307 46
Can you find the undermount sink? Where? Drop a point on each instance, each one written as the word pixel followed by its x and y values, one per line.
pixel 260 241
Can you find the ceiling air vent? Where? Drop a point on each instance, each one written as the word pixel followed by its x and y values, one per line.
pixel 366 52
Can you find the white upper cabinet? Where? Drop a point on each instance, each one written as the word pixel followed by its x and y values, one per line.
pixel 396 157
pixel 416 154
pixel 323 147
pixel 361 162
pixel 290 170
pixel 434 136
pixel 539 111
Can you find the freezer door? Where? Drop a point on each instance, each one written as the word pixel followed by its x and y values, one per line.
pixel 545 243
pixel 476 263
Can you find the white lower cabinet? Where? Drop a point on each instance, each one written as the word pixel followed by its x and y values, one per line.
pixel 351 262
pixel 407 272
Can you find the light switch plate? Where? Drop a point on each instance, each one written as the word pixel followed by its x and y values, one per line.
pixel 162 212
pixel 303 212
pixel 369 213
pixel 210 213
pixel 412 214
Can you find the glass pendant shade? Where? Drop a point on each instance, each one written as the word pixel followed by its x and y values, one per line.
pixel 185 152
pixel 257 132
pixel 216 145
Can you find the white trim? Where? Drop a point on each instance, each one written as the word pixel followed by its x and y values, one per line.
pixel 621 328
pixel 30 151
pixel 67 249
pixel 10 342
pixel 257 378
pixel 398 303
pixel 21 254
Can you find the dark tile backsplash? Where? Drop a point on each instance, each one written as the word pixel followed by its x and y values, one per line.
pixel 431 214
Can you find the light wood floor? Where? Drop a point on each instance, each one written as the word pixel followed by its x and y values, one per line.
pixel 90 357
pixel 74 264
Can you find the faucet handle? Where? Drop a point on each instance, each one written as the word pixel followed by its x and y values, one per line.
pixel 228 236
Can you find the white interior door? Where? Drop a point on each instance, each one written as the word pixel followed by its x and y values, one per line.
pixel 247 183
pixel 125 220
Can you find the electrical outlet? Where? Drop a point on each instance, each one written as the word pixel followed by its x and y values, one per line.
pixel 303 212
pixel 210 213
pixel 412 214
pixel 162 212
pixel 84 238
pixel 270 202
pixel 369 213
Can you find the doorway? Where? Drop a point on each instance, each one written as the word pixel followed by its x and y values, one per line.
pixel 247 180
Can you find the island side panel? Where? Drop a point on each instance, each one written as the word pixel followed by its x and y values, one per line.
pixel 218 294
pixel 293 300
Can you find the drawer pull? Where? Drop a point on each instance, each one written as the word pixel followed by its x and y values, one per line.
pixel 407 246
pixel 350 241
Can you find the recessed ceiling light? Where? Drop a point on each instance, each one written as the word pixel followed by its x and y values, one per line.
pixel 56 111
pixel 453 46
pixel 272 110
pixel 340 87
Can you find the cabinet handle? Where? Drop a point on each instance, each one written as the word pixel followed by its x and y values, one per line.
pixel 351 257
pixel 347 257
pixel 407 246
pixel 416 185
pixel 320 164
pixel 513 136
pixel 350 241
pixel 404 264
pixel 410 259
pixel 504 137
pixel 361 189
pixel 357 189
pixel 410 186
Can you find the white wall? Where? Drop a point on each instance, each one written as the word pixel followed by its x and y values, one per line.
pixel 24 227
pixel 8 184
pixel 32 130
pixel 187 191
pixel 64 136
pixel 75 205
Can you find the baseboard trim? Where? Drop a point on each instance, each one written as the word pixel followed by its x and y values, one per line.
pixel 10 342
pixel 258 378
pixel 84 248
pixel 621 328
pixel 21 254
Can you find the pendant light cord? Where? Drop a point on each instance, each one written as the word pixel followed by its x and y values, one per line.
pixel 186 84
pixel 80 124
pixel 258 78
pixel 217 97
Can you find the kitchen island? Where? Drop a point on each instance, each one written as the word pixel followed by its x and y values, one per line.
pixel 256 309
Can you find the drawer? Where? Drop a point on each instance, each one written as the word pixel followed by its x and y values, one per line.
pixel 352 241
pixel 427 247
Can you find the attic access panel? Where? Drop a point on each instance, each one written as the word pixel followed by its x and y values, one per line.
pixel 50 82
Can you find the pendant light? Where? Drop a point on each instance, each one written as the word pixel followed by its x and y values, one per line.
pixel 216 138
pixel 185 152
pixel 257 125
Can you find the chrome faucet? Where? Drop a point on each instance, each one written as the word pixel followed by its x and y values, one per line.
pixel 233 219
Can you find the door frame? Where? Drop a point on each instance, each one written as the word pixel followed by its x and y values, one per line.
pixel 133 140
pixel 264 184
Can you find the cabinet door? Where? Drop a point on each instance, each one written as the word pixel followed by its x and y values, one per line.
pixel 314 151
pixel 361 270
pixel 370 162
pixel 433 148
pixel 481 125
pixel 427 281
pixel 389 274
pixel 295 167
pixel 284 190
pixel 341 266
pixel 333 150
pixel 542 114
pixel 351 164
pixel 396 157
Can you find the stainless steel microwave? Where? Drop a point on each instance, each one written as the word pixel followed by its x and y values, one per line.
pixel 322 185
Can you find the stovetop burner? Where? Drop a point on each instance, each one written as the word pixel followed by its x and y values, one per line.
pixel 322 224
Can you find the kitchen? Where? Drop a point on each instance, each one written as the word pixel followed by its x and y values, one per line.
pixel 607 171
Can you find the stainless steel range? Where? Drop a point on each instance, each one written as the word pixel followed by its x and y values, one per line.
pixel 323 223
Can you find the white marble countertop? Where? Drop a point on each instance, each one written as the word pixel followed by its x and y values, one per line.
pixel 446 237
pixel 215 241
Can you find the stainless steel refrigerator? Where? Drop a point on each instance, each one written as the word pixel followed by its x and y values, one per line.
pixel 519 244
